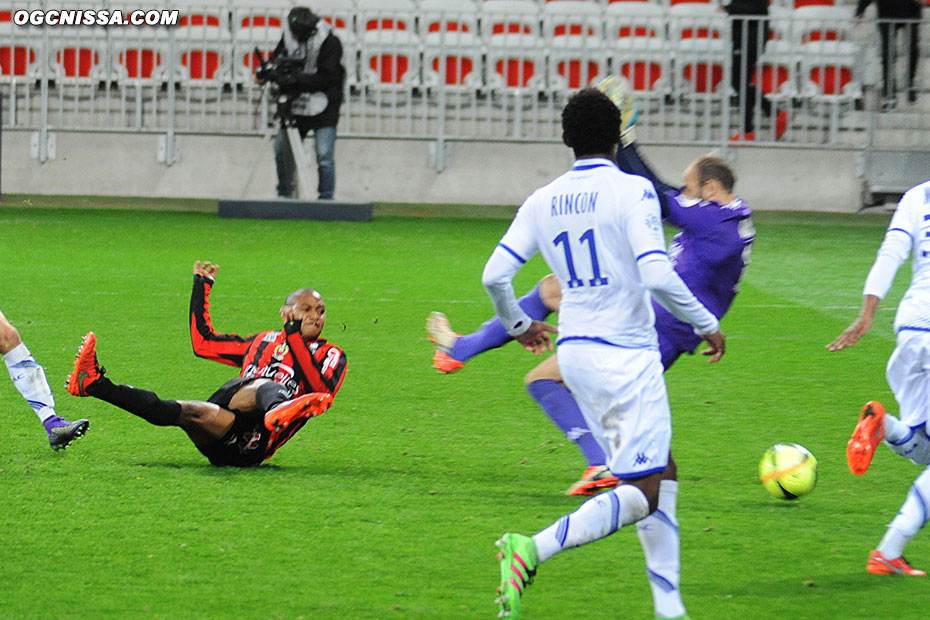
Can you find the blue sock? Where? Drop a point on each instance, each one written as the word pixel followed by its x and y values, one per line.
pixel 558 403
pixel 492 334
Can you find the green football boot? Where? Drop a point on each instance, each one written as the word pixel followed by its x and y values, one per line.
pixel 518 567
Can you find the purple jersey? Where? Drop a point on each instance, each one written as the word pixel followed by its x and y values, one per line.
pixel 710 254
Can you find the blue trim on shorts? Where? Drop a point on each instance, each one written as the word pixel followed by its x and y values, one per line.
pixel 597 340
pixel 911 328
pixel 512 253
pixel 640 474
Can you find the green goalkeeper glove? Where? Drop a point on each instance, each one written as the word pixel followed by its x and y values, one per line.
pixel 618 90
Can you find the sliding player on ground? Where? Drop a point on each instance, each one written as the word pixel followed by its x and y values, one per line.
pixel 288 376
pixel 908 374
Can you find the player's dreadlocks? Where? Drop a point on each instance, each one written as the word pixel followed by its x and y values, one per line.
pixel 590 123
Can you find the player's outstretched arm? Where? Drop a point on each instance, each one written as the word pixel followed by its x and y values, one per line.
pixel 859 328
pixel 536 339
pixel 206 269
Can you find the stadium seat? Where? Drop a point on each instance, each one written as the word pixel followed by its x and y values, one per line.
pixel 390 46
pixel 800 3
pixel 204 44
pixel 451 44
pixel 827 53
pixel 574 38
pixel 516 58
pixel 259 25
pixel 638 45
pixel 830 80
pixel 79 56
pixel 700 47
pixel 817 23
pixel 19 50
pixel 776 73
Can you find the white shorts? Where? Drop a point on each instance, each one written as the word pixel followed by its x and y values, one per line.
pixel 621 393
pixel 908 374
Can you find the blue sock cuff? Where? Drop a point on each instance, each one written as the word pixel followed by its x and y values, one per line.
pixel 541 388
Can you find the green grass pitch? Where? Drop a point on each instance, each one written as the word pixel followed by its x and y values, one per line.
pixel 387 506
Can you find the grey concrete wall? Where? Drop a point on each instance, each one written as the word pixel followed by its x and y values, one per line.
pixel 398 170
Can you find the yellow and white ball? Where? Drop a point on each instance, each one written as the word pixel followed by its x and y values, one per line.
pixel 788 470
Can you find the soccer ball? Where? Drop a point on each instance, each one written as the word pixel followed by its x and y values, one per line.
pixel 788 470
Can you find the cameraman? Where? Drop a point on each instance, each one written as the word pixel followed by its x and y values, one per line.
pixel 314 95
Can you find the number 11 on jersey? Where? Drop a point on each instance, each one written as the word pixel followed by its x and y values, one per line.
pixel 586 238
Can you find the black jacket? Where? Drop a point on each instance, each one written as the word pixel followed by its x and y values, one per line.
pixel 904 9
pixel 328 79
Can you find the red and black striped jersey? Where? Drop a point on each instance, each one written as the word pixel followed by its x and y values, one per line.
pixel 282 355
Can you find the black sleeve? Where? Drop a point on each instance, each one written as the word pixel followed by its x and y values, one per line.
pixel 630 161
pixel 860 6
pixel 747 7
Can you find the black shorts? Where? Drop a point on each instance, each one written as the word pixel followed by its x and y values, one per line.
pixel 246 443
pixel 223 395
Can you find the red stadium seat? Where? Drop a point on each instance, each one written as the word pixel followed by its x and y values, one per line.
pixel 574 39
pixel 451 44
pixel 516 59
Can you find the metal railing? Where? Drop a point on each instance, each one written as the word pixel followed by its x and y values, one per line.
pixel 451 70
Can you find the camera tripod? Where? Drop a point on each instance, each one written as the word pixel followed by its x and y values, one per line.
pixel 284 120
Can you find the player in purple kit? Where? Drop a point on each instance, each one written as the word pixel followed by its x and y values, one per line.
pixel 709 254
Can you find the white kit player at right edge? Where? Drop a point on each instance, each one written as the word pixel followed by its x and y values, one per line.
pixel 908 374
pixel 600 231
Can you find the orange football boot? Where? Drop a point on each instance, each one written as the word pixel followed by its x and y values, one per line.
pixel 594 480
pixel 440 333
pixel 86 369
pixel 868 432
pixel 302 407
pixel 880 565
pixel 445 363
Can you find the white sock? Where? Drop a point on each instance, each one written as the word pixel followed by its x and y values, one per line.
pixel 29 378
pixel 658 534
pixel 911 517
pixel 597 518
pixel 895 429
pixel 911 443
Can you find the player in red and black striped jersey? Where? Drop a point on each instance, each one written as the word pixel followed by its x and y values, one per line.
pixel 287 377
pixel 295 357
